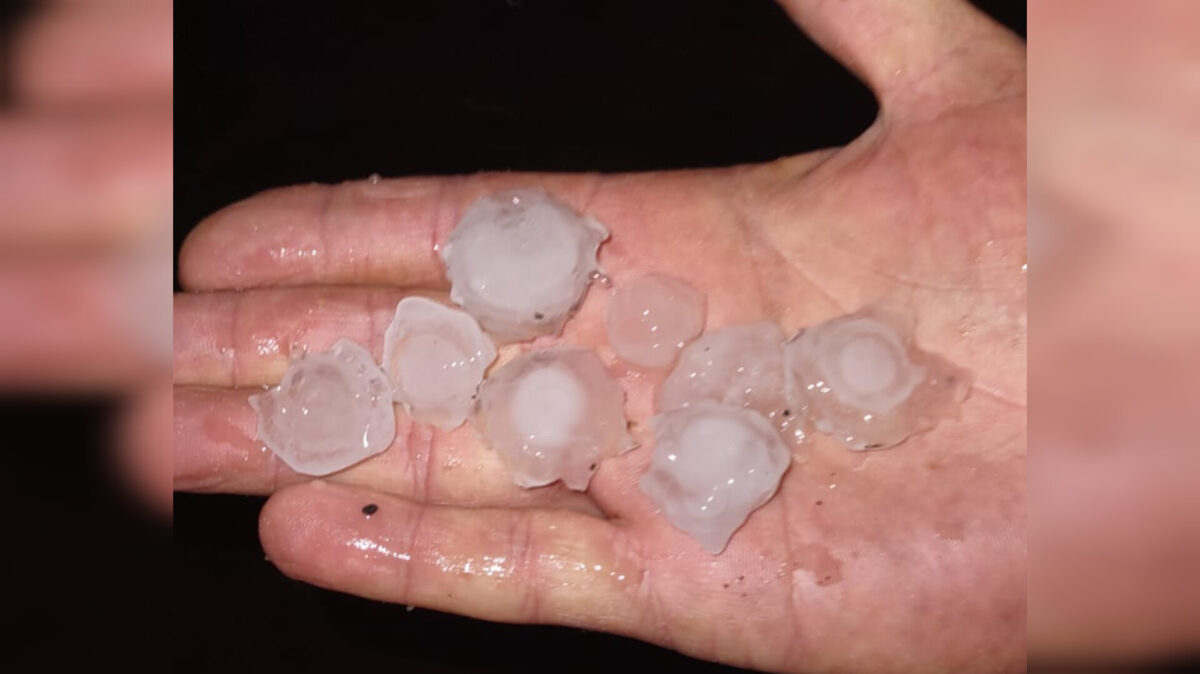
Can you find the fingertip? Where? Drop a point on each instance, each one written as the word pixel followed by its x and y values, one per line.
pixel 323 533
pixel 271 238
pixel 288 526
pixel 199 259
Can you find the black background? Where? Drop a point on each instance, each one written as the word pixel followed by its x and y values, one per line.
pixel 272 93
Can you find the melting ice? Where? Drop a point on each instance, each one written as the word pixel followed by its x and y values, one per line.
pixel 436 357
pixel 713 465
pixel 863 381
pixel 520 262
pixel 553 414
pixel 332 410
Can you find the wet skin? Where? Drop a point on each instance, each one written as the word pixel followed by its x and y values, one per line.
pixel 911 559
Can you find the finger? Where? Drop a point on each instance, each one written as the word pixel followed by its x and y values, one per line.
pixel 920 57
pixel 79 181
pixel 217 449
pixel 527 565
pixel 248 338
pixel 87 52
pixel 363 232
pixel 64 322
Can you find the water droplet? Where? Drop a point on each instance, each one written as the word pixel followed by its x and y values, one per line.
pixel 600 278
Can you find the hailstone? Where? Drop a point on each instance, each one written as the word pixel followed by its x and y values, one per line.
pixel 741 365
pixel 520 262
pixel 651 318
pixel 553 414
pixel 436 357
pixel 862 380
pixel 332 410
pixel 713 465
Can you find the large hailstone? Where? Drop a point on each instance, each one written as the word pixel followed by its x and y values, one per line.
pixel 713 465
pixel 332 410
pixel 436 357
pixel 740 365
pixel 651 319
pixel 520 262
pixel 863 381
pixel 553 414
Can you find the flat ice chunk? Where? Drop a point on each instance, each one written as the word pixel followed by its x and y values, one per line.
pixel 553 414
pixel 651 319
pixel 740 365
pixel 520 262
pixel 436 356
pixel 332 410
pixel 862 380
pixel 713 465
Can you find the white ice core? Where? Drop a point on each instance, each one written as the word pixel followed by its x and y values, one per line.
pixel 861 379
pixel 332 410
pixel 436 357
pixel 651 318
pixel 553 414
pixel 713 465
pixel 520 262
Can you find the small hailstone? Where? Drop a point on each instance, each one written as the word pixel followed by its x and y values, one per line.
pixel 520 262
pixel 713 465
pixel 651 318
pixel 740 365
pixel 332 410
pixel 553 414
pixel 863 381
pixel 436 356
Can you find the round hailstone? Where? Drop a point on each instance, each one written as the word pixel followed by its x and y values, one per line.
pixel 553 414
pixel 519 262
pixel 332 410
pixel 740 365
pixel 652 318
pixel 713 465
pixel 436 356
pixel 863 381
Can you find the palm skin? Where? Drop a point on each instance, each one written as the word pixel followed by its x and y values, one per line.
pixel 911 559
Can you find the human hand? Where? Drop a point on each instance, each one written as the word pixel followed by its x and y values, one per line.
pixel 907 559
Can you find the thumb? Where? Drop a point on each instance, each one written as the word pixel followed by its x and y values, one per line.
pixel 920 57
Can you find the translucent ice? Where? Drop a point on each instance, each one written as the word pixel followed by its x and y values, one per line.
pixel 553 414
pixel 520 262
pixel 713 465
pixel 651 318
pixel 740 365
pixel 436 357
pixel 863 381
pixel 332 410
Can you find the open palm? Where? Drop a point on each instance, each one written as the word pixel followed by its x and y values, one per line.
pixel 907 559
